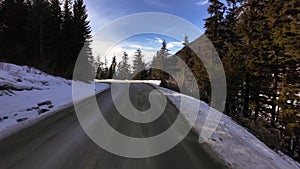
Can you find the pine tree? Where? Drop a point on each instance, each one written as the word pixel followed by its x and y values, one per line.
pixel 55 23
pixel 81 24
pixel 68 55
pixel 105 62
pixel 85 70
pixel 82 36
pixel 13 19
pixel 38 34
pixel 186 40
pixel 99 67
pixel 248 29
pixel 124 67
pixel 283 16
pixel 138 64
pixel 98 73
pixel 232 61
pixel 259 47
pixel 119 69
pixel 159 62
pixel 112 68
pixel 214 26
pixel 195 65
pixel 216 33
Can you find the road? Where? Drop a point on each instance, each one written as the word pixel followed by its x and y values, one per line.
pixel 59 142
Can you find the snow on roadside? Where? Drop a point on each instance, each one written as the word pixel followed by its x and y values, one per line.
pixel 152 82
pixel 27 93
pixel 231 142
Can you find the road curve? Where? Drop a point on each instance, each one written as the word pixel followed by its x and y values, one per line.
pixel 59 142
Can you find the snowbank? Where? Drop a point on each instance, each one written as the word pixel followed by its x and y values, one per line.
pixel 231 142
pixel 153 82
pixel 27 93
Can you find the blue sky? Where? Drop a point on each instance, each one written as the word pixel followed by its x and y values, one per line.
pixel 103 12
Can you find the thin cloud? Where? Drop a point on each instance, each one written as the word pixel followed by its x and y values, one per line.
pixel 157 3
pixel 142 47
pixel 202 2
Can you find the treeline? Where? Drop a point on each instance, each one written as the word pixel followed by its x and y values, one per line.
pixel 138 70
pixel 123 69
pixel 44 34
pixel 258 43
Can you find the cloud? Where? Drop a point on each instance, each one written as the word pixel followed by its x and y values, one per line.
pixel 119 50
pixel 169 44
pixel 136 46
pixel 172 45
pixel 202 2
pixel 158 40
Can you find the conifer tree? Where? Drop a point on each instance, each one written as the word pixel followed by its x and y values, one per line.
pixel 68 54
pixel 213 24
pixel 283 19
pixel 39 34
pixel 112 68
pixel 232 61
pixel 159 62
pixel 55 23
pixel 82 36
pixel 124 67
pixel 138 64
pixel 13 18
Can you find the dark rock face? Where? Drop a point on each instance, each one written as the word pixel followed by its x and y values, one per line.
pixel 48 102
pixel 43 111
pixel 21 119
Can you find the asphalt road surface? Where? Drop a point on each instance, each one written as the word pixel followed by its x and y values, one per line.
pixel 59 142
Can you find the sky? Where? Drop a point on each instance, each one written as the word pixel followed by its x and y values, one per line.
pixel 103 12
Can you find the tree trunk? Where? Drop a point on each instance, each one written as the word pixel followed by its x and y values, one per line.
pixel 41 44
pixel 256 105
pixel 246 97
pixel 274 98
